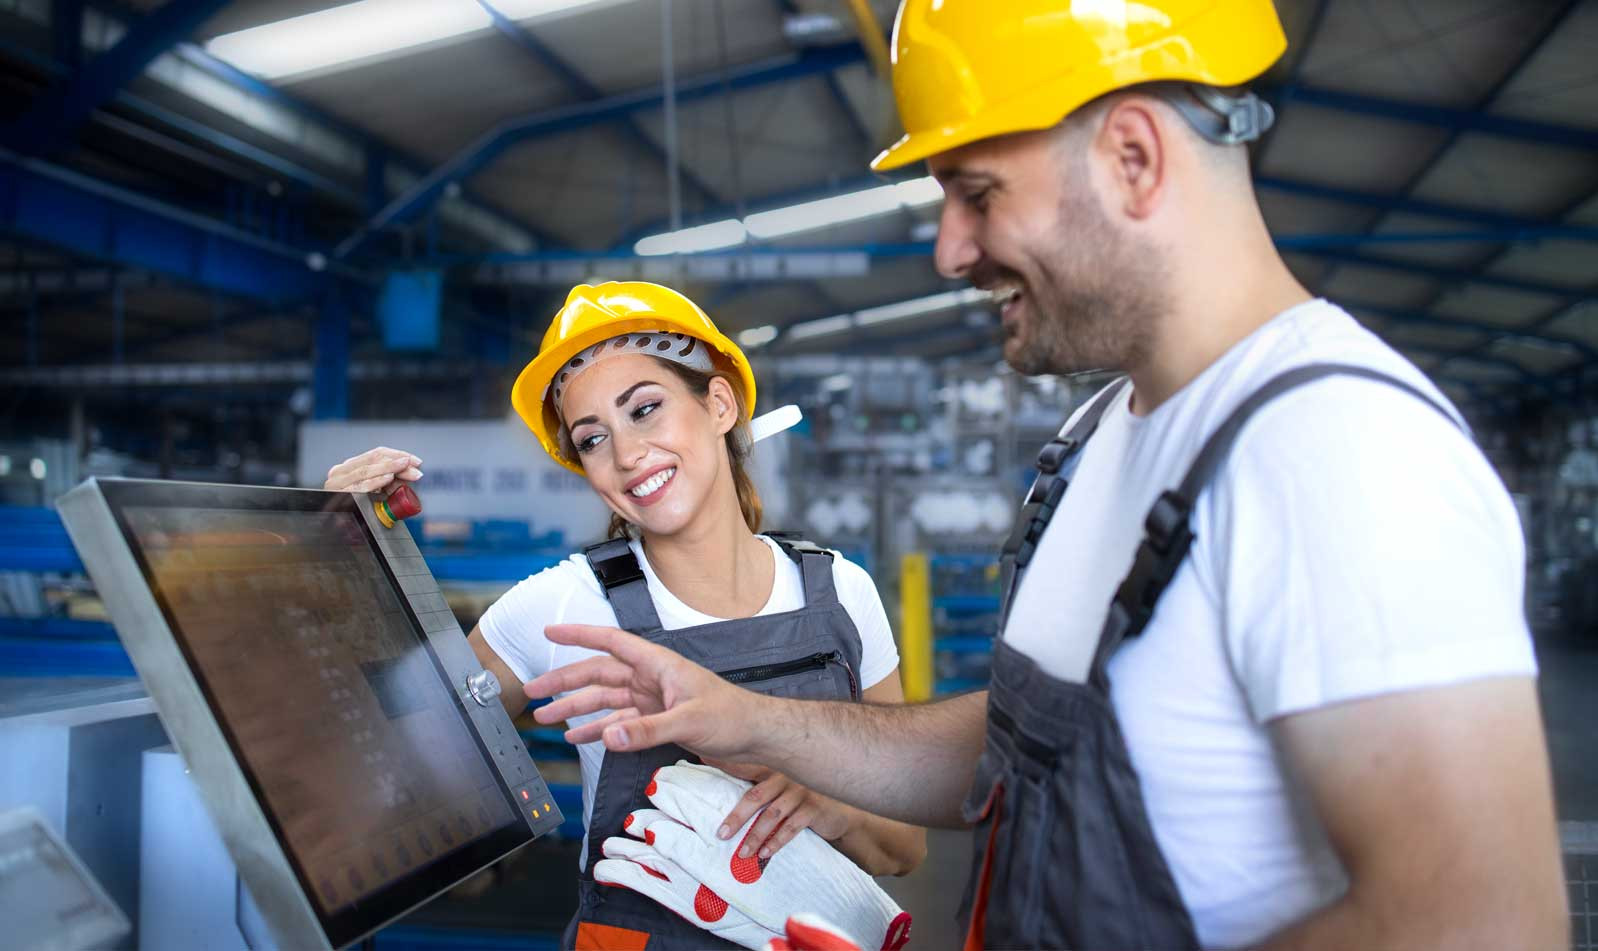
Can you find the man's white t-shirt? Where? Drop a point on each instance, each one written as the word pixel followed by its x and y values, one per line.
pixel 569 593
pixel 1354 543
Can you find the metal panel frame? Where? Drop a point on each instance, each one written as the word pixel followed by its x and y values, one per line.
pixel 188 719
pixel 196 733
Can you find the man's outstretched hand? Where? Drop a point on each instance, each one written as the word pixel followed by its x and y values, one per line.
pixel 657 696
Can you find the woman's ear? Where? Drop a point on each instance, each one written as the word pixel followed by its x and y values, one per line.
pixel 723 405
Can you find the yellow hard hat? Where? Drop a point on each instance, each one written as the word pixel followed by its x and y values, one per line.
pixel 592 315
pixel 965 70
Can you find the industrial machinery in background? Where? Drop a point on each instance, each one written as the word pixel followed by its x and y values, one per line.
pixel 914 469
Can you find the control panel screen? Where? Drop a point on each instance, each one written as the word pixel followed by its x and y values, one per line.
pixel 348 728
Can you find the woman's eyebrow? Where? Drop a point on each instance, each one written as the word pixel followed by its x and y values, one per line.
pixel 628 393
pixel 620 401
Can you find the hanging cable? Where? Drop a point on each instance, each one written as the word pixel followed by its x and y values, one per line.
pixel 735 167
pixel 668 67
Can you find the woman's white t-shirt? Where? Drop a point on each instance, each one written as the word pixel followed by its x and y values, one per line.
pixel 569 593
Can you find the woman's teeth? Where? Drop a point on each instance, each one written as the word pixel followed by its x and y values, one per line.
pixel 653 484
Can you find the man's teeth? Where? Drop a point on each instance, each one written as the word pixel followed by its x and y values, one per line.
pixel 1004 295
pixel 654 483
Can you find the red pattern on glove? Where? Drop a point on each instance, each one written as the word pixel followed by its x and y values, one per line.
pixel 709 905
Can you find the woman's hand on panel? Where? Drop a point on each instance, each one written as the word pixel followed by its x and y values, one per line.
pixel 373 470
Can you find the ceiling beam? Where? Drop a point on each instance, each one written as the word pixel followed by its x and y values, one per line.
pixel 53 118
pixel 492 144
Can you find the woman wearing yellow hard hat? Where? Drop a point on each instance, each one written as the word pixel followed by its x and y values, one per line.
pixel 635 389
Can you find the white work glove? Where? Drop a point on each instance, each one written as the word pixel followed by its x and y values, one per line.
pixel 811 933
pixel 806 875
pixel 635 865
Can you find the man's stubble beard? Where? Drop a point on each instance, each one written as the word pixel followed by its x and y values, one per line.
pixel 1097 298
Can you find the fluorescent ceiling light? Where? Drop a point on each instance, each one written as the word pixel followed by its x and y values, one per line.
pixel 718 234
pixel 821 327
pixel 888 312
pixel 794 219
pixel 757 336
pixel 364 30
pixel 841 209
pixel 921 305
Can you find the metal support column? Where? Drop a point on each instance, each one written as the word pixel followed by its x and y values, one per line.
pixel 330 378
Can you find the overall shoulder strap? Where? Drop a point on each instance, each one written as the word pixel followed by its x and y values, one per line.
pixel 815 565
pixel 622 579
pixel 1056 464
pixel 1168 531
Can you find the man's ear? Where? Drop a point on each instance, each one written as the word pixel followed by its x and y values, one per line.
pixel 1131 147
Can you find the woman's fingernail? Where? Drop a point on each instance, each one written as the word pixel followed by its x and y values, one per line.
pixel 416 460
pixel 620 736
pixel 724 833
pixel 744 851
pixel 765 853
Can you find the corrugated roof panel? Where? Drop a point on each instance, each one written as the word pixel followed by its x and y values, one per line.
pixel 1441 52
pixel 1517 178
pixel 1379 288
pixel 427 104
pixel 1579 321
pixel 618 47
pixel 1564 263
pixel 1493 305
pixel 1557 84
pixel 1295 214
pixel 1542 359
pixel 1336 148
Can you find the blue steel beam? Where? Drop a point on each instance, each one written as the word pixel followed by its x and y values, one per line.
pixel 1482 103
pixel 1442 117
pixel 54 117
pixel 488 147
pixel 1494 332
pixel 44 203
pixel 66 29
pixel 1327 245
pixel 585 90
pixel 1448 275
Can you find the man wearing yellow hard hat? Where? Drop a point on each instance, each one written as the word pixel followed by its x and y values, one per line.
pixel 1263 678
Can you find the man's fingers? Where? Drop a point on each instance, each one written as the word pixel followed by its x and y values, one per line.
pixel 648 732
pixel 591 732
pixel 752 802
pixel 627 647
pixel 606 671
pixel 585 701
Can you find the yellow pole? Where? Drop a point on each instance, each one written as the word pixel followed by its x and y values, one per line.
pixel 870 31
pixel 915 627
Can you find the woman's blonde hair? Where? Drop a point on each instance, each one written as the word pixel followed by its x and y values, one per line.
pixel 738 441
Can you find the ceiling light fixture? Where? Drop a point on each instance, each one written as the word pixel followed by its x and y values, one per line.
pixel 728 233
pixel 915 307
pixel 357 32
pixel 796 219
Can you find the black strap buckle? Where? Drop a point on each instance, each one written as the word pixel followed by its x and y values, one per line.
pixel 615 568
pixel 1054 453
pixel 796 545
pixel 1159 556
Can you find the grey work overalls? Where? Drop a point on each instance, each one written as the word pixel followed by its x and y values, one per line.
pixel 813 653
pixel 1066 857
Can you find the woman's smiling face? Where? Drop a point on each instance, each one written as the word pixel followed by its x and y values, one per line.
pixel 652 449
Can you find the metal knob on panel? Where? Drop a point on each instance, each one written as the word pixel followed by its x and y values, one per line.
pixel 484 687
